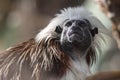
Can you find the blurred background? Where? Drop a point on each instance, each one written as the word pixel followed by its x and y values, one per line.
pixel 21 20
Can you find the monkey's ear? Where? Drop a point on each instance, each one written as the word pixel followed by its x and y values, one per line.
pixel 58 29
pixel 94 31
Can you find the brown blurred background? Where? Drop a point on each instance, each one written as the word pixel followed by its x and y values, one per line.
pixel 21 20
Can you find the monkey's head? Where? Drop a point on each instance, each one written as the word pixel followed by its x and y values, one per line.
pixel 76 34
pixel 77 31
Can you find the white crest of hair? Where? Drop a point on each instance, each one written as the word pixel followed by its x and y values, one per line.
pixel 69 13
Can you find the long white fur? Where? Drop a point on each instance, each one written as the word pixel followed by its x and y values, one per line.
pixel 71 13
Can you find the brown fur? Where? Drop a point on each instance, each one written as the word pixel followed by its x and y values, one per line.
pixel 30 60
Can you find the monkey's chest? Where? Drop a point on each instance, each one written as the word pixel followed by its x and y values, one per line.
pixel 71 75
pixel 78 71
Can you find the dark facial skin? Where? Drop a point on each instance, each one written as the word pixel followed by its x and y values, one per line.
pixel 76 35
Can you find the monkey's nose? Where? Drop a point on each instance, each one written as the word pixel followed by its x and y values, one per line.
pixel 77 34
pixel 77 29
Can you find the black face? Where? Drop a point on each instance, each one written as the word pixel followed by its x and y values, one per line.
pixel 76 34
pixel 76 31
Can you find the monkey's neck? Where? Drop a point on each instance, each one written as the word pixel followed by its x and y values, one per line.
pixel 69 70
pixel 78 70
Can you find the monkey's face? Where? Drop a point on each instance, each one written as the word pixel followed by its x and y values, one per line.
pixel 76 31
pixel 76 34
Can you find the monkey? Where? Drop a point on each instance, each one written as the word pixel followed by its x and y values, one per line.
pixel 65 49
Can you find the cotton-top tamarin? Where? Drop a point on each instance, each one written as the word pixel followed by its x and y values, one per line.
pixel 64 50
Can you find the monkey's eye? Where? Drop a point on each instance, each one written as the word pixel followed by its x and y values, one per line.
pixel 69 23
pixel 81 23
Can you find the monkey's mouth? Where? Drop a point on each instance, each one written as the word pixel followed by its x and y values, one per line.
pixel 76 36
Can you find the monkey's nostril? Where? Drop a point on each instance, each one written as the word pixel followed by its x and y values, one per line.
pixel 76 28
